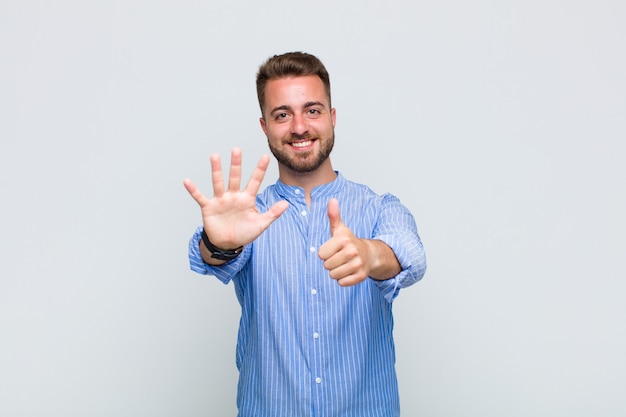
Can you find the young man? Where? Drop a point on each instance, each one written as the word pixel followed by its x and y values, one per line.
pixel 316 261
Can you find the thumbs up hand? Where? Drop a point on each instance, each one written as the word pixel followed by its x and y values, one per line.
pixel 345 256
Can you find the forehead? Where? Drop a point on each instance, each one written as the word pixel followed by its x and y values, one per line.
pixel 294 90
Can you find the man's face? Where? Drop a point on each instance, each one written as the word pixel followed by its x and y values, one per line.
pixel 298 122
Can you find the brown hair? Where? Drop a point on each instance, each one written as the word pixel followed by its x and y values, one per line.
pixel 290 64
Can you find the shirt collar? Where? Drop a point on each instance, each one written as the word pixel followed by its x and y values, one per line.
pixel 324 190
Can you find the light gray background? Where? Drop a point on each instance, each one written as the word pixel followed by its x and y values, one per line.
pixel 500 124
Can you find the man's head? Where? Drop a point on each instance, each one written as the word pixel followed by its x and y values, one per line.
pixel 297 118
pixel 291 64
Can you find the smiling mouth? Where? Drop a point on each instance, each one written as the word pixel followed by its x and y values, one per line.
pixel 302 144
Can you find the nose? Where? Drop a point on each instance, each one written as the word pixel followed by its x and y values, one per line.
pixel 299 126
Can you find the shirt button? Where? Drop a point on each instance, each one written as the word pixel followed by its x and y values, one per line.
pixel 303 212
pixel 312 249
pixel 313 291
pixel 297 191
pixel 316 335
pixel 318 380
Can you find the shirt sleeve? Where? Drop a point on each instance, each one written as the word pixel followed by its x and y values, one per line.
pixel 396 227
pixel 225 272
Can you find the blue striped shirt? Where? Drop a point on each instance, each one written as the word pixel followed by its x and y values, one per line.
pixel 307 346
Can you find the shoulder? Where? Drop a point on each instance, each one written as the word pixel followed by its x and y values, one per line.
pixel 349 186
pixel 366 194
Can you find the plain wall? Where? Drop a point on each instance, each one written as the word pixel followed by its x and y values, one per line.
pixel 500 124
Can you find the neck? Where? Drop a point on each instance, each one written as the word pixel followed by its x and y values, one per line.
pixel 307 180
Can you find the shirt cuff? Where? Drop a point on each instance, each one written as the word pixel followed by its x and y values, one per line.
pixel 224 272
pixel 410 254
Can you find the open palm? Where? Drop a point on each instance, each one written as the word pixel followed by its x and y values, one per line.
pixel 231 218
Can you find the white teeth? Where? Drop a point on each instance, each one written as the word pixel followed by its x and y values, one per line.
pixel 301 144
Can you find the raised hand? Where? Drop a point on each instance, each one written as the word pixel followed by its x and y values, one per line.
pixel 231 218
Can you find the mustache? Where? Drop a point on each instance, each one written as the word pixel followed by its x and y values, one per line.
pixel 305 136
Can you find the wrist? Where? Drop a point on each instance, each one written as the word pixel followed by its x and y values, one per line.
pixel 218 253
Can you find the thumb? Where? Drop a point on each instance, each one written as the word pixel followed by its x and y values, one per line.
pixel 334 216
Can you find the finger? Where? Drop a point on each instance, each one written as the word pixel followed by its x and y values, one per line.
pixel 328 249
pixel 334 216
pixel 345 276
pixel 350 273
pixel 349 281
pixel 234 178
pixel 278 209
pixel 341 266
pixel 195 193
pixel 274 212
pixel 216 175
pixel 257 176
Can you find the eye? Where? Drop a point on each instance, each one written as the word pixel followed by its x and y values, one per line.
pixel 280 116
pixel 314 112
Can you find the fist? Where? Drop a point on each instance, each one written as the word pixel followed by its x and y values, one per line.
pixel 344 255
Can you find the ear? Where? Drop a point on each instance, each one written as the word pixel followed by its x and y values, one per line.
pixel 263 126
pixel 333 115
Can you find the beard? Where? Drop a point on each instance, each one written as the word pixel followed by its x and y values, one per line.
pixel 308 161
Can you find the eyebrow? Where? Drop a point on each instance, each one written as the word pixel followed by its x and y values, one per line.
pixel 279 108
pixel 289 108
pixel 313 103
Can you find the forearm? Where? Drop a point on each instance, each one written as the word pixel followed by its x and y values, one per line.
pixel 396 227
pixel 206 256
pixel 224 272
pixel 383 263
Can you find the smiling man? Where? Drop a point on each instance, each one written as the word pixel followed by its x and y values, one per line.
pixel 316 261
pixel 300 133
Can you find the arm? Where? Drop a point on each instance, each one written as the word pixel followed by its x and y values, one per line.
pixel 383 262
pixel 350 260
